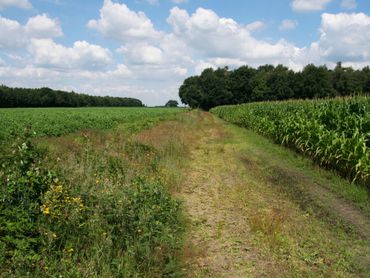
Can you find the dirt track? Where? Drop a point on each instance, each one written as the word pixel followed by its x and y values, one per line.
pixel 244 224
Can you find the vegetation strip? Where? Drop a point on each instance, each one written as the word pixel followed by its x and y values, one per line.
pixel 46 97
pixel 92 204
pixel 335 132
pixel 270 83
pixel 60 121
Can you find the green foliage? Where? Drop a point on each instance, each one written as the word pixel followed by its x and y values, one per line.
pixel 145 224
pixel 45 97
pixel 266 83
pixel 334 132
pixel 172 103
pixel 59 121
pixel 22 183
pixel 106 212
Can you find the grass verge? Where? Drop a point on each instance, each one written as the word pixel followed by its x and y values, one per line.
pixel 100 201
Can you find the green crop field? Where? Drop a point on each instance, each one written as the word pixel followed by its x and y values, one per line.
pixel 59 121
pixel 334 132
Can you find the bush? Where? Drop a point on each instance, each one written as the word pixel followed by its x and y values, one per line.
pixel 22 183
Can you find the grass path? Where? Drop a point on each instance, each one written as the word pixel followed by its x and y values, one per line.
pixel 259 210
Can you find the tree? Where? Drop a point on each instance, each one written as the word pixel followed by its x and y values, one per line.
pixel 246 84
pixel 46 97
pixel 190 92
pixel 316 82
pixel 172 103
pixel 241 84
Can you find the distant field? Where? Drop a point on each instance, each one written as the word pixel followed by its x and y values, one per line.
pixel 59 121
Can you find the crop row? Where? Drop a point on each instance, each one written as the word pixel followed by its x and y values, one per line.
pixel 59 121
pixel 334 132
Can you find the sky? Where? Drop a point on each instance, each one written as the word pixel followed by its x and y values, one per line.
pixel 146 48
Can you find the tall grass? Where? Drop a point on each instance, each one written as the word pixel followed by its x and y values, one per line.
pixel 102 206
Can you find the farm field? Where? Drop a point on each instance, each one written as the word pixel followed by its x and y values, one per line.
pixel 174 194
pixel 59 121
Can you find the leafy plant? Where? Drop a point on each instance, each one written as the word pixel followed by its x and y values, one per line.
pixel 334 132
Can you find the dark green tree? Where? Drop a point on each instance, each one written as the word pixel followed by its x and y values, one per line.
pixel 316 82
pixel 172 103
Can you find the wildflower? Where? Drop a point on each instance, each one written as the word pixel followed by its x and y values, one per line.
pixel 45 210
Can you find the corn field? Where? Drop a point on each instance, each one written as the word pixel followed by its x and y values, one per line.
pixel 333 132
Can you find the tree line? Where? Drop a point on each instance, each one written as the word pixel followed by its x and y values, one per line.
pixel 46 97
pixel 266 83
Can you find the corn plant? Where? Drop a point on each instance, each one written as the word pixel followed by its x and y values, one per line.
pixel 334 132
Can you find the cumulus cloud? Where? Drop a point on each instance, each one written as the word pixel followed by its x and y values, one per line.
pixel 119 23
pixel 309 5
pixel 47 53
pixel 41 26
pixel 142 53
pixel 225 37
pixel 344 37
pixel 288 24
pixel 13 35
pixel 22 4
pixel 349 4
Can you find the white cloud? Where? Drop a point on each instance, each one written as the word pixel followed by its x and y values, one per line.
pixel 255 26
pixel 309 5
pixel 345 37
pixel 224 38
pixel 288 24
pixel 142 53
pixel 349 4
pixel 120 23
pixel 47 53
pixel 41 26
pixel 22 4
pixel 13 35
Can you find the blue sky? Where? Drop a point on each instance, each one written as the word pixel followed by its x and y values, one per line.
pixel 146 48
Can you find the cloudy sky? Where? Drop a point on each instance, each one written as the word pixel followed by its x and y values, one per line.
pixel 146 48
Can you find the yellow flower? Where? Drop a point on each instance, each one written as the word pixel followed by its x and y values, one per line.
pixel 45 210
